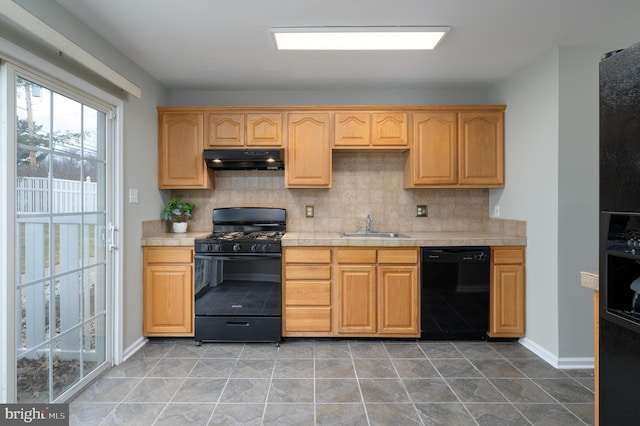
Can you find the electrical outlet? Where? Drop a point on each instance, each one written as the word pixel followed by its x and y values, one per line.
pixel 496 211
pixel 421 211
pixel 309 211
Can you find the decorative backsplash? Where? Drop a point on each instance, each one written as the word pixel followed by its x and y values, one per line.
pixel 363 183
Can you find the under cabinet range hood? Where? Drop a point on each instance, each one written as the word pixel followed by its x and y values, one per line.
pixel 244 159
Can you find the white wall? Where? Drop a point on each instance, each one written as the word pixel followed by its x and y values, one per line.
pixel 140 138
pixel 467 95
pixel 531 190
pixel 578 195
pixel 551 127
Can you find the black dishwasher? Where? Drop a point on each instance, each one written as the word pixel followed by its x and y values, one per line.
pixel 455 293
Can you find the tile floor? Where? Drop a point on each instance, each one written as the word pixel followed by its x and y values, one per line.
pixel 326 382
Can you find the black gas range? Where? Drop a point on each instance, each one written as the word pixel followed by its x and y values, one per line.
pixel 240 242
pixel 238 277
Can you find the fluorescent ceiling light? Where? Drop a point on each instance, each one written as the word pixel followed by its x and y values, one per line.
pixel 358 38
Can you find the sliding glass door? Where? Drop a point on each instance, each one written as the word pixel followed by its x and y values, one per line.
pixel 62 315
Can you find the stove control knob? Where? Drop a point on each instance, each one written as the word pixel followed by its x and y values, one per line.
pixel 265 248
pixel 217 247
pixel 205 247
pixel 255 248
pixel 236 247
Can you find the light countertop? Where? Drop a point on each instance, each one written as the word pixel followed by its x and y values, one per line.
pixel 590 280
pixel 418 239
pixel 172 240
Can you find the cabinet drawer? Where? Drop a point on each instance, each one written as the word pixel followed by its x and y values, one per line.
pixel 398 256
pixel 307 255
pixel 307 272
pixel 168 255
pixel 308 293
pixel 508 255
pixel 307 319
pixel 356 255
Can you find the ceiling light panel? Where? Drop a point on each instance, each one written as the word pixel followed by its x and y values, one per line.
pixel 358 38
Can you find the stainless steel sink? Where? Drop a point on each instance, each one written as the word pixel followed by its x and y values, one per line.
pixel 373 234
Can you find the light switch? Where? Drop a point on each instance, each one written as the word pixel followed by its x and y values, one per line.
pixel 421 211
pixel 133 196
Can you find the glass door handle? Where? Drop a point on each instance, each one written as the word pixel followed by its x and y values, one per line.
pixel 112 237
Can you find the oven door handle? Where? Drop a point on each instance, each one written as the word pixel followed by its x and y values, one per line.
pixel 237 257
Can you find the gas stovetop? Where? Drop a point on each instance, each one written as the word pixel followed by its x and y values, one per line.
pixel 232 236
pixel 240 242
pixel 244 230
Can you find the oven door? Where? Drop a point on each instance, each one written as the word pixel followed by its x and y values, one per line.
pixel 238 285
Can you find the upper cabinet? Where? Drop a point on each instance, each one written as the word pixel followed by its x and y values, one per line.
pixel 444 146
pixel 434 155
pixel 308 163
pixel 180 151
pixel 481 148
pixel 370 130
pixel 251 129
pixel 463 149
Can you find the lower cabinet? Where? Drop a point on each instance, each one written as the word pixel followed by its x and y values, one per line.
pixel 375 292
pixel 507 292
pixel 357 292
pixel 168 291
pixel 306 294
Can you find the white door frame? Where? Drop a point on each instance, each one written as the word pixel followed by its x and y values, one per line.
pixel 17 57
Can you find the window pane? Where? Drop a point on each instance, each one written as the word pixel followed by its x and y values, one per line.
pixel 67 307
pixel 67 125
pixel 94 291
pixel 32 239
pixel 33 377
pixel 66 362
pixel 90 131
pixel 33 315
pixel 67 184
pixel 33 114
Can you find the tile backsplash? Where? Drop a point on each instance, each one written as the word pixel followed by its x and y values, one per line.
pixel 363 183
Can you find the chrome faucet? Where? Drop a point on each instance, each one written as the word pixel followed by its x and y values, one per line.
pixel 369 221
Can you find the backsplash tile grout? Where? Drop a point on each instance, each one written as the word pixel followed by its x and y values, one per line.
pixel 363 183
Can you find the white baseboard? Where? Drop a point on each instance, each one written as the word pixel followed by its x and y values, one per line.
pixel 565 363
pixel 133 348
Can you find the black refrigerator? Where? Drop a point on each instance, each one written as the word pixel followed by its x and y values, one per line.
pixel 620 237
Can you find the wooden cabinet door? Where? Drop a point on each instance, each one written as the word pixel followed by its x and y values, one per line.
pixel 352 129
pixel 168 300
pixel 356 299
pixel 226 130
pixel 481 148
pixel 264 129
pixel 434 155
pixel 389 129
pixel 398 301
pixel 180 151
pixel 306 293
pixel 308 151
pixel 507 313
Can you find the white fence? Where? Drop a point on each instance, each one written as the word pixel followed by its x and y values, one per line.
pixel 67 196
pixel 61 264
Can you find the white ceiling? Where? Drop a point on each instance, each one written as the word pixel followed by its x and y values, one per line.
pixel 226 44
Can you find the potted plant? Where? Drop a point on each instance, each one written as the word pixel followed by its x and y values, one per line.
pixel 178 212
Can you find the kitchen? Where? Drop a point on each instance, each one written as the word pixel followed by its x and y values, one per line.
pixel 546 187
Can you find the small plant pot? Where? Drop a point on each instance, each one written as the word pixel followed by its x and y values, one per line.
pixel 179 227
